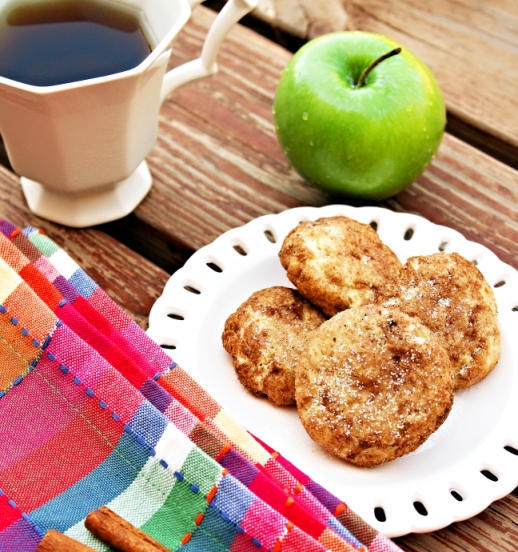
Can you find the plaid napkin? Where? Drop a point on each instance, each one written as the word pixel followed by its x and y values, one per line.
pixel 153 444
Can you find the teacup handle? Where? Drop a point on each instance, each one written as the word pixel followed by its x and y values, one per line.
pixel 206 64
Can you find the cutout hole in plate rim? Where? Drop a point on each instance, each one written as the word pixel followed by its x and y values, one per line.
pixel 238 248
pixel 379 514
pixel 192 289
pixel 409 233
pixel 270 235
pixel 456 495
pixel 420 508
pixel 168 347
pixel 175 316
pixel 488 474
pixel 214 266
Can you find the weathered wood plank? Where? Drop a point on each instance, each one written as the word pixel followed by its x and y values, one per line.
pixel 491 531
pixel 132 281
pixel 230 168
pixel 470 192
pixel 472 47
pixel 218 165
pixel 303 18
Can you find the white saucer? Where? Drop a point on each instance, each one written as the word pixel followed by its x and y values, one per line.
pixel 469 462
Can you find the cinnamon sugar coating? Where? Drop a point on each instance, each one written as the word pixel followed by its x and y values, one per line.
pixel 373 385
pixel 452 298
pixel 337 263
pixel 265 336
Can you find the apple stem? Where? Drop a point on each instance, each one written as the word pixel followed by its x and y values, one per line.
pixel 363 76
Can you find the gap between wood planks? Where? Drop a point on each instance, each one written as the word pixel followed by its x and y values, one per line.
pixel 170 257
pixel 498 149
pixel 160 250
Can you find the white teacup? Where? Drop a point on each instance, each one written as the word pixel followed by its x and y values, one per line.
pixel 80 147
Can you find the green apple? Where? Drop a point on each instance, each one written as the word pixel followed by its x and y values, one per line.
pixel 355 124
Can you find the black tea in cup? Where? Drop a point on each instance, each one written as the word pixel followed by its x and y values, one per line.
pixel 60 41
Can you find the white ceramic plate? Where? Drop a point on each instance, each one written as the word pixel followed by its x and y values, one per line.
pixel 469 462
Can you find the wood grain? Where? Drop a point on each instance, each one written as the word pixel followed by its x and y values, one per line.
pixel 303 18
pixel 131 281
pixel 217 165
pixel 471 47
pixel 494 530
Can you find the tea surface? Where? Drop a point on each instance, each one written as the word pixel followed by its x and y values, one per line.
pixel 62 41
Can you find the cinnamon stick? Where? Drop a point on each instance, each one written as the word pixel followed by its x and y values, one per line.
pixel 107 526
pixel 54 541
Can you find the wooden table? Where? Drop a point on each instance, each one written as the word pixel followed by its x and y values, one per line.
pixel 217 165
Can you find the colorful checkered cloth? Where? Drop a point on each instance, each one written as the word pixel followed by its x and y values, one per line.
pixel 93 412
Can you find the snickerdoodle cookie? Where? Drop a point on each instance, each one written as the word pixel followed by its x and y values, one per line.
pixel 452 298
pixel 265 336
pixel 373 384
pixel 337 262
